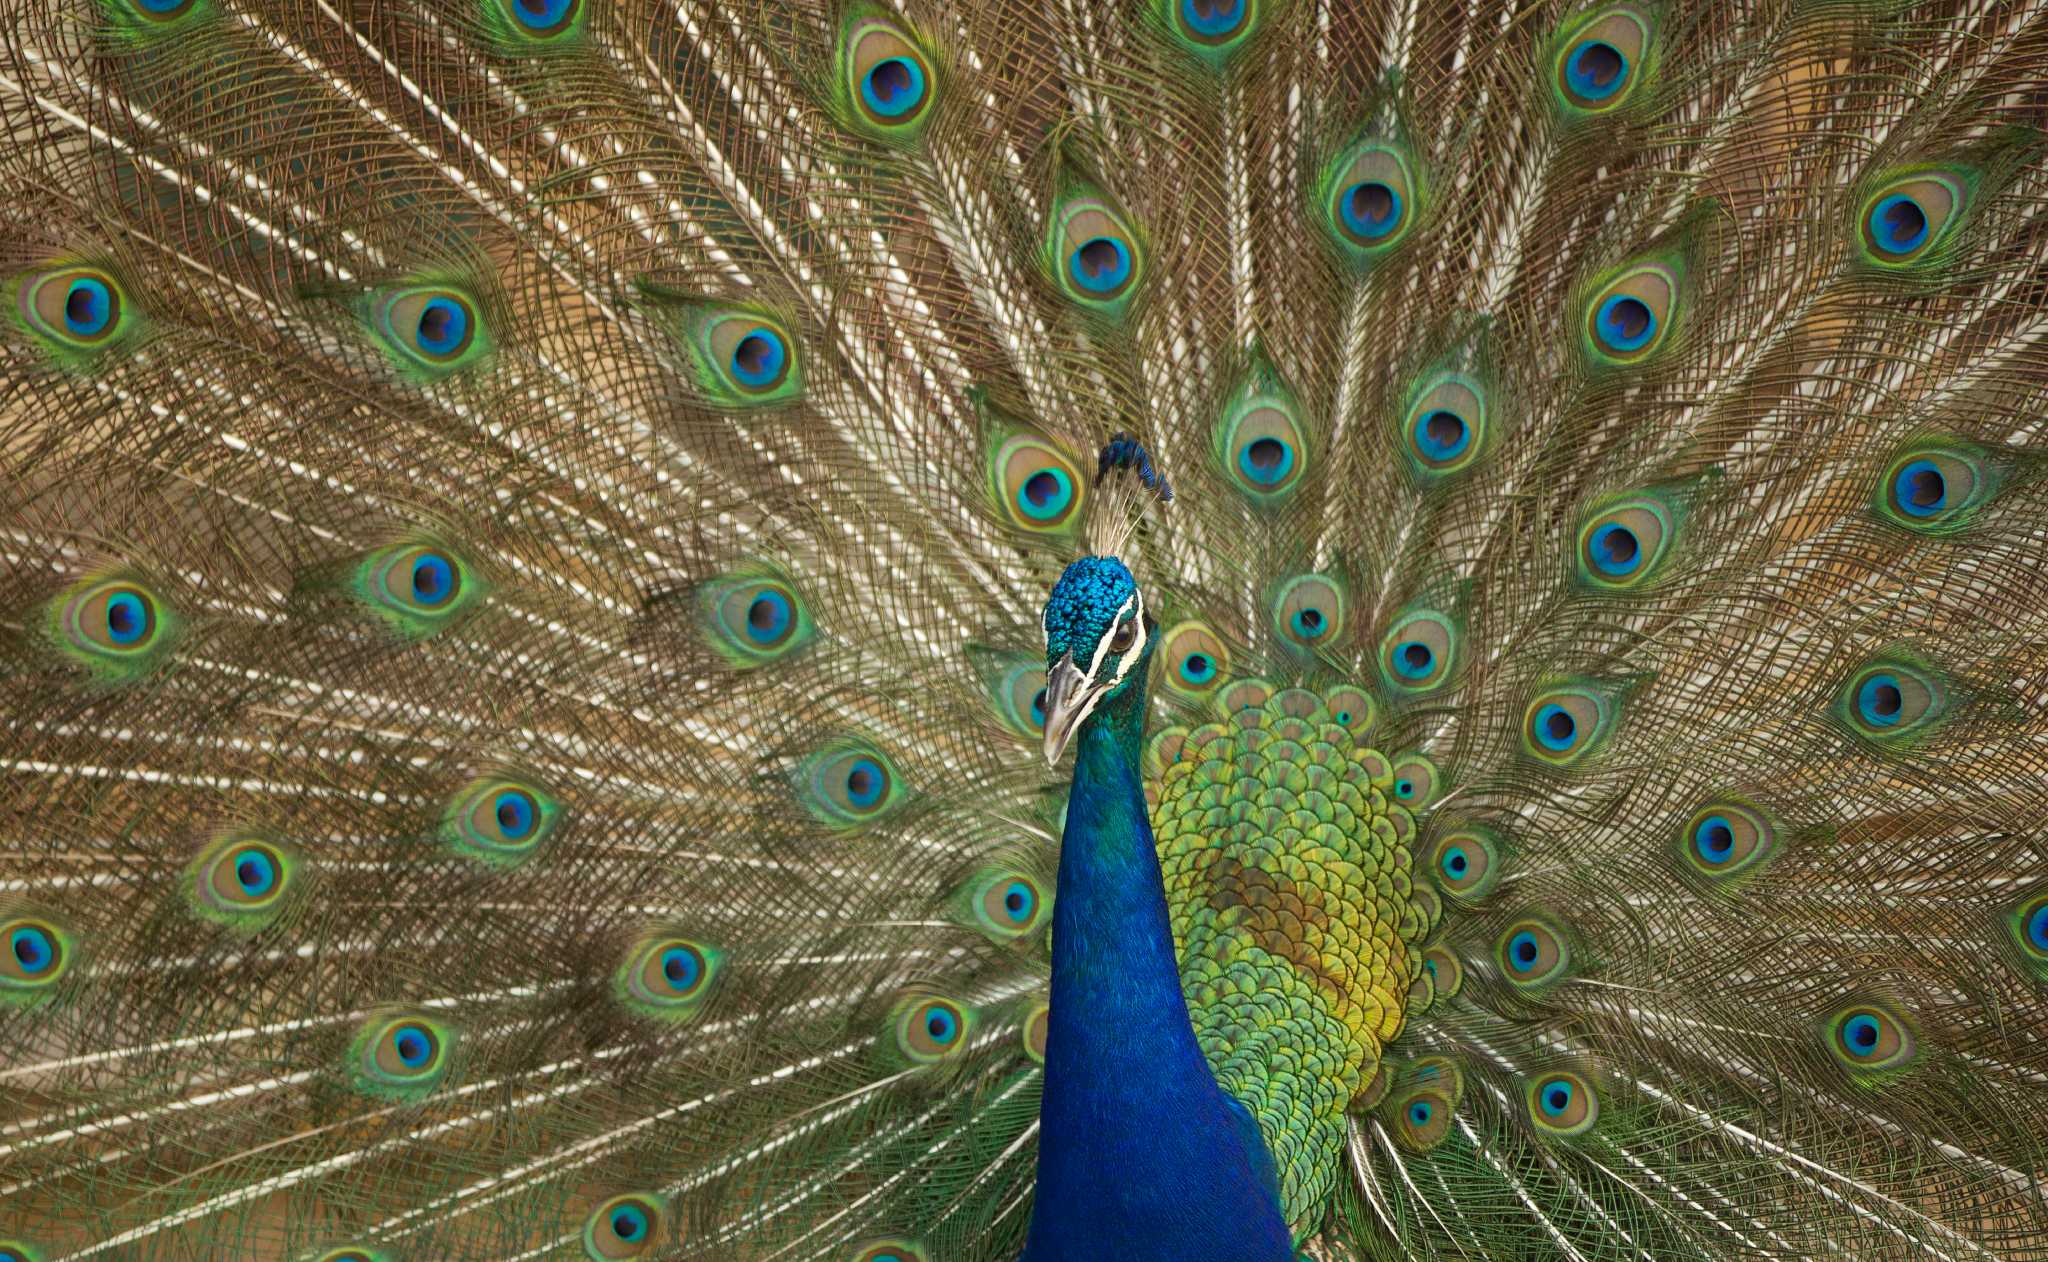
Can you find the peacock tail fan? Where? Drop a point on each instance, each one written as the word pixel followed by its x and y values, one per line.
pixel 523 530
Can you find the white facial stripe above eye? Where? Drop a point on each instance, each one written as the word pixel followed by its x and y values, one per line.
pixel 1102 645
pixel 1131 655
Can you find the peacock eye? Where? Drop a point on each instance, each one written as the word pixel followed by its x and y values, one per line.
pixel 1125 636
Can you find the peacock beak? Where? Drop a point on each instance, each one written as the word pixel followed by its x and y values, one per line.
pixel 1069 696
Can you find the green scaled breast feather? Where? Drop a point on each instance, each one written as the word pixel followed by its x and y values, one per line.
pixel 1290 876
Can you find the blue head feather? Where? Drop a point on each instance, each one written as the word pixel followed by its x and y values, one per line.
pixel 1083 606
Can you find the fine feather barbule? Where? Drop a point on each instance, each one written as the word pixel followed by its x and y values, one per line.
pixel 526 521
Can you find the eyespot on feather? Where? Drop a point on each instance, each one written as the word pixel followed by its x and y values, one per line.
pixel 1562 1103
pixel 1036 486
pixel 1629 318
pixel 1368 198
pixel 1419 652
pixel 1210 29
pixel 1563 725
pixel 931 1030
pixel 741 357
pixel 1444 428
pixel 1600 61
pixel 1194 661
pixel 668 976
pixel 499 820
pixel 1904 223
pixel 893 1249
pixel 2026 924
pixel 1037 1028
pixel 1308 612
pixel 1934 488
pixel 1868 1038
pixel 1417 782
pixel 1533 955
pixel 1624 545
pixel 77 312
pixel 345 1253
pixel 36 952
pixel 1093 253
pixel 1351 708
pixel 1263 447
pixel 1891 701
pixel 1446 972
pixel 401 1055
pixel 753 617
pixel 242 881
pixel 116 628
pixel 632 1225
pixel 532 24
pixel 416 588
pixel 887 80
pixel 1466 862
pixel 429 330
pixel 1726 838
pixel 848 784
pixel 1004 903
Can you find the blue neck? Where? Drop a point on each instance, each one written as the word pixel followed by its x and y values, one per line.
pixel 1141 1156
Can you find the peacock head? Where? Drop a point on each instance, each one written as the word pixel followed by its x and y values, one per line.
pixel 1097 641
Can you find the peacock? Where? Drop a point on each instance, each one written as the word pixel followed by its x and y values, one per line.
pixel 904 631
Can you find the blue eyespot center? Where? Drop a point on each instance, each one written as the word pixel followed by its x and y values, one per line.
pixel 127 618
pixel 1309 623
pixel 1714 839
pixel 1920 488
pixel 1419 1113
pixel 1371 209
pixel 768 617
pixel 1404 788
pixel 1038 708
pixel 2037 927
pixel 1556 729
pixel 1860 1035
pixel 1100 265
pixel 1414 660
pixel 1441 435
pixel 940 1025
pixel 542 15
pixel 433 579
pixel 1266 461
pixel 681 967
pixel 88 307
pixel 1046 494
pixel 1522 951
pixel 515 813
pixel 1880 700
pixel 1898 224
pixel 758 359
pixel 1615 550
pixel 893 87
pixel 415 1047
pixel 444 327
pixel 1018 901
pixel 1626 323
pixel 1596 70
pixel 629 1222
pixel 1212 17
pixel 865 781
pixel 1456 863
pixel 1198 668
pixel 1556 1097
pixel 255 873
pixel 33 949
